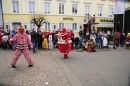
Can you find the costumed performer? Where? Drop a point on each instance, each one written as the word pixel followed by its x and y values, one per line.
pixel 45 41
pixel 64 42
pixel 22 41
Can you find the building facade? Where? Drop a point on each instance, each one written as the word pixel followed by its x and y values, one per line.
pixel 59 13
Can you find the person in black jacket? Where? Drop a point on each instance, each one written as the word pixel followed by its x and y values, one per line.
pixel 39 39
pixel 34 39
pixel 76 41
pixel 122 39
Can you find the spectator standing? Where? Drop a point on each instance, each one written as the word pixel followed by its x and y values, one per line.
pixel 98 41
pixel 122 39
pixel 81 32
pixel 4 41
pixel 115 39
pixel 39 39
pixel 71 34
pixel 12 36
pixel 34 39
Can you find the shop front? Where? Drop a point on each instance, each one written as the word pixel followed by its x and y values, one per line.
pixel 104 25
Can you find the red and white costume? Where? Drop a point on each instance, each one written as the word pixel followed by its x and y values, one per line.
pixel 21 39
pixel 64 43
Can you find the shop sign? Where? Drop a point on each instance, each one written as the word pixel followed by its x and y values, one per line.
pixel 105 20
pixel 68 18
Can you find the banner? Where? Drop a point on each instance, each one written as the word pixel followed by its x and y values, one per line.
pixel 119 7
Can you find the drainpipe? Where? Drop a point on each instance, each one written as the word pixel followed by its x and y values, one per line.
pixel 2 13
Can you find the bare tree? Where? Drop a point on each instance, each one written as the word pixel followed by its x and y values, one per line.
pixel 38 19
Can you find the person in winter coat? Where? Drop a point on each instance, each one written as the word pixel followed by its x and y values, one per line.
pixel 4 41
pixel 93 36
pixel 81 33
pixel 98 41
pixel 39 39
pixel 118 40
pixel 34 39
pixel 76 42
pixel 122 39
pixel 12 35
pixel 115 39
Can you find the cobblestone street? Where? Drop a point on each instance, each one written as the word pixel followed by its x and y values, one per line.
pixel 45 72
pixel 101 68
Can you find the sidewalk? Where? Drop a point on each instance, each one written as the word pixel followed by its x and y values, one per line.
pixel 45 71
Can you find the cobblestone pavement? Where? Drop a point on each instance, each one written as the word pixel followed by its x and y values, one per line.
pixel 45 72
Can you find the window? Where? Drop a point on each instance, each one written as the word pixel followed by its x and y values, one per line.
pixel 7 27
pixel 74 26
pixel 74 9
pixel 61 8
pixel 32 26
pixel 47 26
pixel 61 25
pixel 47 7
pixel 100 10
pixel 15 6
pixel 111 11
pixel 31 7
pixel 25 26
pixel 87 9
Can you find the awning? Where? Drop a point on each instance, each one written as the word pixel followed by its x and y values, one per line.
pixel 105 25
pixel 85 23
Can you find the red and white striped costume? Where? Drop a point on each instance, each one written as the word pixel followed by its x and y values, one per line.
pixel 64 43
pixel 22 39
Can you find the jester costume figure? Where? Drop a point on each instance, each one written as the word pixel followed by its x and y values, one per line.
pixel 45 41
pixel 22 41
pixel 50 41
pixel 64 43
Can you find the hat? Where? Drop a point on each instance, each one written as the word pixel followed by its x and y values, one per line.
pixel 64 30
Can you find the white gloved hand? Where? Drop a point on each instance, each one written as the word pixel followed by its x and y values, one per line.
pixel 11 39
pixel 31 47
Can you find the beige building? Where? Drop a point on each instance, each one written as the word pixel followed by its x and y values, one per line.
pixel 59 13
